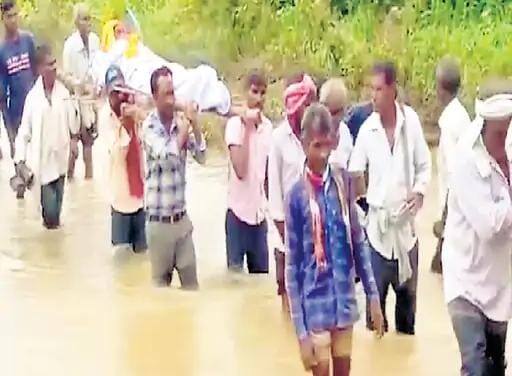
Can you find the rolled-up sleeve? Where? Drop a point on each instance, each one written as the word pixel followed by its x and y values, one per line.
pixel 275 182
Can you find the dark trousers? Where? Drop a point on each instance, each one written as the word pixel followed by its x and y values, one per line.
pixel 436 266
pixel 12 132
pixel 51 202
pixel 129 229
pixel 244 239
pixel 386 274
pixel 481 340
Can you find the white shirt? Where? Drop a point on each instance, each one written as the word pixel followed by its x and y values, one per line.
pixel 453 122
pixel 76 60
pixel 387 188
pixel 44 132
pixel 477 249
pixel 341 154
pixel 285 167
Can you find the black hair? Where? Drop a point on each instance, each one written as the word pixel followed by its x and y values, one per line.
pixel 157 73
pixel 42 51
pixel 255 77
pixel 317 119
pixel 386 68
pixel 7 5
pixel 449 76
pixel 294 78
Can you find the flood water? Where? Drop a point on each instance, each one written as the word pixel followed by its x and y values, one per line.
pixel 70 311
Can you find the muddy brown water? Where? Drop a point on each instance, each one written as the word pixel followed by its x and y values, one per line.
pixel 70 311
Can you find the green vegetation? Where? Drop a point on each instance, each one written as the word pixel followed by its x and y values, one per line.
pixel 338 37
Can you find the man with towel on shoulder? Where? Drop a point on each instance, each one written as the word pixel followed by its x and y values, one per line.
pixel 391 145
pixel 477 269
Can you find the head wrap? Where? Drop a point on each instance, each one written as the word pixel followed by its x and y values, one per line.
pixel 298 93
pixel 497 107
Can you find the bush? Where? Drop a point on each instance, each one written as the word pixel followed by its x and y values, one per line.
pixel 326 37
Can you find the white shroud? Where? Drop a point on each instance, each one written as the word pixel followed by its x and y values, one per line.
pixel 200 84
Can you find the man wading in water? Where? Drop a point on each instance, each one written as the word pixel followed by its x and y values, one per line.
pixel 391 145
pixel 286 163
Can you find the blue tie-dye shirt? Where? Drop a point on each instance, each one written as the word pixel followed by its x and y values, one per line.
pixel 325 300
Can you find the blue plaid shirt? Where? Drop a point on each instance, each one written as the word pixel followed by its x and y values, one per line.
pixel 166 166
pixel 324 300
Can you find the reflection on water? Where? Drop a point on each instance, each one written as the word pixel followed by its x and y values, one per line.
pixel 70 311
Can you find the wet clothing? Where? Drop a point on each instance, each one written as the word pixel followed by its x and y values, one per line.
pixel 244 240
pixel 481 340
pixel 386 274
pixel 129 229
pixel 324 299
pixel 51 202
pixel 171 248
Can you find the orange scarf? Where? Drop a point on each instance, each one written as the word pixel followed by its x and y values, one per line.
pixel 315 183
pixel 133 162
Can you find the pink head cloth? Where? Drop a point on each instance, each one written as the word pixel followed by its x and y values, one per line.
pixel 297 94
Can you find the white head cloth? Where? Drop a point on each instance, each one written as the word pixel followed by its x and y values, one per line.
pixel 497 107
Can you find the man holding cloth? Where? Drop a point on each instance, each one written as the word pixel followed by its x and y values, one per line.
pixel 42 143
pixel 392 146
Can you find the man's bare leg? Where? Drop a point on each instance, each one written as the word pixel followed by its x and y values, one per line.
pixel 285 303
pixel 71 166
pixel 87 150
pixel 321 369
pixel 341 366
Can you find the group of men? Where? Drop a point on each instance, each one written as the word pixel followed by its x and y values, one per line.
pixel 342 196
pixel 317 165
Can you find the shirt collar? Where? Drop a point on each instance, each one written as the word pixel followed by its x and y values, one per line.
pixel 451 106
pixel 155 120
pixel 484 162
pixel 377 122
pixel 453 103
pixel 78 42
pixel 325 176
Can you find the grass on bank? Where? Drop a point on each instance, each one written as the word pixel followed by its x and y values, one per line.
pixel 236 35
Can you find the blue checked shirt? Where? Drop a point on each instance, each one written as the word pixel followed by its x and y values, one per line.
pixel 166 166
pixel 324 300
